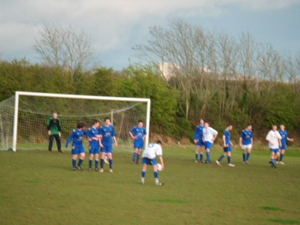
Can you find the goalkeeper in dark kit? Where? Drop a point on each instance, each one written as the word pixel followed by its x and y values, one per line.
pixel 54 131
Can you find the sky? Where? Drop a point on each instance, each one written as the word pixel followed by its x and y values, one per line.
pixel 115 26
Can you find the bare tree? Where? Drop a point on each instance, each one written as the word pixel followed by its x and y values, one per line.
pixel 67 48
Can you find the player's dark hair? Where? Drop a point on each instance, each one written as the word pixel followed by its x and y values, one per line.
pixel 54 112
pixel 96 121
pixel 106 118
pixel 229 125
pixel 140 121
pixel 159 142
pixel 80 125
pixel 249 125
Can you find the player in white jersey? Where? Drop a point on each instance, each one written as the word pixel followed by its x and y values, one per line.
pixel 149 158
pixel 274 139
pixel 209 136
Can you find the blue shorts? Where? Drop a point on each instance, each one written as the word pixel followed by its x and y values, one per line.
pixel 275 150
pixel 77 149
pixel 283 147
pixel 138 143
pixel 228 149
pixel 208 145
pixel 107 149
pixel 200 143
pixel 94 150
pixel 149 161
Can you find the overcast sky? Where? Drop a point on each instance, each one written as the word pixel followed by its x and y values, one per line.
pixel 115 26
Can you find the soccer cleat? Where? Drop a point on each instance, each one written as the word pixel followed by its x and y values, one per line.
pixel 101 170
pixel 137 162
pixel 111 170
pixel 274 166
pixel 282 163
pixel 90 169
pixel 231 165
pixel 50 151
pixel 196 161
pixel 219 164
pixel 277 162
pixel 207 162
pixel 246 162
pixel 160 184
pixel 202 161
pixel 96 169
pixel 133 162
pixel 60 151
pixel 74 169
pixel 142 182
pixel 270 162
pixel 79 168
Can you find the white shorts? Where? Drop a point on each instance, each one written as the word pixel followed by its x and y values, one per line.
pixel 247 146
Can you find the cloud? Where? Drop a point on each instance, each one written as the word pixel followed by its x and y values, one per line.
pixel 112 24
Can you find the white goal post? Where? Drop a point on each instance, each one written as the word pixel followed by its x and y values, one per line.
pixel 18 94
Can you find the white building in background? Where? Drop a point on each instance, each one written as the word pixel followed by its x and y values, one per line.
pixel 168 70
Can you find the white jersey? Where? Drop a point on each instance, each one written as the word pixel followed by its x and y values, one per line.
pixel 208 134
pixel 152 151
pixel 274 137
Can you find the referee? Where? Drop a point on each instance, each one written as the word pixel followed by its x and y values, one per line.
pixel 54 131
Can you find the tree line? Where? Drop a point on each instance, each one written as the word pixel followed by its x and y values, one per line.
pixel 212 76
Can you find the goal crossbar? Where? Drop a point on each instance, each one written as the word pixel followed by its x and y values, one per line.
pixel 72 96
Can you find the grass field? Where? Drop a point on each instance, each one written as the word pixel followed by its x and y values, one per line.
pixel 40 188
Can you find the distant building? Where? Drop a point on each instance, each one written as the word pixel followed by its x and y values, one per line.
pixel 168 70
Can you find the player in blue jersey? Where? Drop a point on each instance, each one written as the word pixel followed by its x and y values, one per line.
pixel 227 144
pixel 284 138
pixel 198 139
pixel 209 136
pixel 107 133
pixel 138 134
pixel 94 148
pixel 77 145
pixel 246 142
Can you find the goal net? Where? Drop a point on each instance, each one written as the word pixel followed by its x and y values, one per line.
pixel 24 117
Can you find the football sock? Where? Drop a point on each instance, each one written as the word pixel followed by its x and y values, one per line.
pixel 281 157
pixel 74 163
pixel 96 163
pixel 222 156
pixel 201 157
pixel 102 163
pixel 229 159
pixel 143 173
pixel 248 155
pixel 208 156
pixel 90 163
pixel 80 162
pixel 273 162
pixel 196 156
pixel 134 156
pixel 244 157
pixel 137 157
pixel 156 174
pixel 110 163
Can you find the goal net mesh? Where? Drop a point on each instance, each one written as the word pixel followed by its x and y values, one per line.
pixel 34 113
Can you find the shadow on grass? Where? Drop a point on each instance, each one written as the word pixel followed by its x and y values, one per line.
pixel 168 200
pixel 282 221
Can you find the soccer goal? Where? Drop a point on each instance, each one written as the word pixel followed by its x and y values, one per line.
pixel 23 117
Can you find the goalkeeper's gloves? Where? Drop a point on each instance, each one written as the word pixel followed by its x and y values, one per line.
pixel 49 132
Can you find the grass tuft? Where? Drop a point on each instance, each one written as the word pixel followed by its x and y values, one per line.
pixel 272 208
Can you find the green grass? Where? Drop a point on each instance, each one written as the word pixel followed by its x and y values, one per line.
pixel 40 188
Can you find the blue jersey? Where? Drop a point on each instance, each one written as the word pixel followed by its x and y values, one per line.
pixel 284 136
pixel 138 132
pixel 198 135
pixel 246 135
pixel 227 138
pixel 107 134
pixel 76 137
pixel 92 132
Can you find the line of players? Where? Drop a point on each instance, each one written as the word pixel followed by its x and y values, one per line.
pixel 102 137
pixel 205 136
